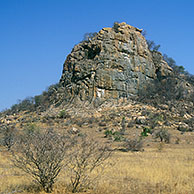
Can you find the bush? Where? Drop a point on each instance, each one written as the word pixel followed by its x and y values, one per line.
pixel 123 126
pixel 155 118
pixel 163 135
pixel 108 133
pixel 31 128
pixel 145 132
pixel 172 63
pixel 152 46
pixel 63 114
pixel 116 27
pixel 116 136
pixel 23 105
pixel 133 145
pixel 87 156
pixel 41 155
pixel 8 136
pixel 88 36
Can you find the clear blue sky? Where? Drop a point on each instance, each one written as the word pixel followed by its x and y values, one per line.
pixel 37 35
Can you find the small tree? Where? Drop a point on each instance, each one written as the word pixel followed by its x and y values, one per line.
pixel 88 154
pixel 41 155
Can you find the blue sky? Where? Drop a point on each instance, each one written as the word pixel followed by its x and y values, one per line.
pixel 37 35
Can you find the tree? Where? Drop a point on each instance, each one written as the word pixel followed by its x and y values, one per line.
pixel 41 155
pixel 87 155
pixel 171 62
pixel 152 46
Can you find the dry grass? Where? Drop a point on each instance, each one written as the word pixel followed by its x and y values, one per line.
pixel 169 171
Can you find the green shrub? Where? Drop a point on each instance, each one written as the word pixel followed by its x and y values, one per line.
pixel 145 132
pixel 108 133
pixel 63 114
pixel 116 136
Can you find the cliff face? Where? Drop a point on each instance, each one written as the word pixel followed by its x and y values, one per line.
pixel 115 63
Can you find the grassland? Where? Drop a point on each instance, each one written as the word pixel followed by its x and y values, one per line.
pixel 169 170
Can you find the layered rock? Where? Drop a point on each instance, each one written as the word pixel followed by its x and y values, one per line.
pixel 115 63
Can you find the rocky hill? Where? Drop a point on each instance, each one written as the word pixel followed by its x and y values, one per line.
pixel 114 63
pixel 107 72
pixel 117 91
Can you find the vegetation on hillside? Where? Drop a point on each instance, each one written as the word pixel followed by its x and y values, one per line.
pixel 160 89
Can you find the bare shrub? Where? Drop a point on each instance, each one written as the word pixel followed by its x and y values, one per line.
pixel 8 135
pixel 133 145
pixel 87 156
pixel 163 135
pixel 41 155
pixel 123 126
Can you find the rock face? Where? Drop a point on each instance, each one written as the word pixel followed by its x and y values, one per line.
pixel 115 63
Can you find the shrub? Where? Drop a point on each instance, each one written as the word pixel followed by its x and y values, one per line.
pixel 152 45
pixel 23 105
pixel 63 114
pixel 108 133
pixel 116 136
pixel 87 156
pixel 88 36
pixel 155 118
pixel 116 27
pixel 41 155
pixel 123 126
pixel 8 136
pixel 145 132
pixel 31 128
pixel 172 63
pixel 133 145
pixel 163 135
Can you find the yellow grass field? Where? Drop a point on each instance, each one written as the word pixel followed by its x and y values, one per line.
pixel 154 171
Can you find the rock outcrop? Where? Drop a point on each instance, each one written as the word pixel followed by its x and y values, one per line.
pixel 115 63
